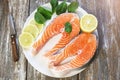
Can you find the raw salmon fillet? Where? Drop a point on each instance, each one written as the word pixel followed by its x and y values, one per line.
pixel 83 48
pixel 57 27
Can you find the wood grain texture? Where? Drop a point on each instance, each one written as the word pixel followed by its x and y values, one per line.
pixel 105 66
pixel 20 13
pixel 8 69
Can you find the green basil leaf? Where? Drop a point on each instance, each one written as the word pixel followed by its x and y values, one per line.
pixel 61 8
pixel 54 4
pixel 39 18
pixel 73 6
pixel 68 27
pixel 46 13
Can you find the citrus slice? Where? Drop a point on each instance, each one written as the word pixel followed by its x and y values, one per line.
pixel 39 26
pixel 26 39
pixel 31 29
pixel 88 23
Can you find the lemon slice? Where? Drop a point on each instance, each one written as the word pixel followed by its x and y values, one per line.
pixel 26 39
pixel 31 29
pixel 88 23
pixel 39 26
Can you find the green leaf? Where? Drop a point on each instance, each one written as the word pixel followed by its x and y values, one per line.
pixel 68 27
pixel 73 6
pixel 54 4
pixel 39 18
pixel 46 13
pixel 61 8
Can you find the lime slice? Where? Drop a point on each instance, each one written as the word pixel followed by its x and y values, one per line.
pixel 39 26
pixel 31 29
pixel 26 39
pixel 88 23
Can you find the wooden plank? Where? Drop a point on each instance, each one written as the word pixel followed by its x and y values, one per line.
pixel 88 73
pixel 9 69
pixel 20 13
pixel 5 57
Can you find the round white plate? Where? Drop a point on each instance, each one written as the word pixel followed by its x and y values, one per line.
pixel 38 62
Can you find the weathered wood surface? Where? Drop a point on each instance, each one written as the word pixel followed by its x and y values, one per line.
pixel 106 65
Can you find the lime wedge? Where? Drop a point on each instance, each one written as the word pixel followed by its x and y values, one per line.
pixel 31 29
pixel 26 39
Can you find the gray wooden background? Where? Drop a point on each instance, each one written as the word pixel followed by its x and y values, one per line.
pixel 106 65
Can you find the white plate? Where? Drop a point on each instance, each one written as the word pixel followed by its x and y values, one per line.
pixel 39 62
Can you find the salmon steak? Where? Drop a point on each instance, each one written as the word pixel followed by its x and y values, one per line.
pixel 57 27
pixel 82 48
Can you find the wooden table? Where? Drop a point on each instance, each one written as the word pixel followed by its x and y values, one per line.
pixel 106 65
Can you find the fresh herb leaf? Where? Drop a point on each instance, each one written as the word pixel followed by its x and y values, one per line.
pixel 73 6
pixel 68 27
pixel 39 18
pixel 46 13
pixel 54 4
pixel 61 8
